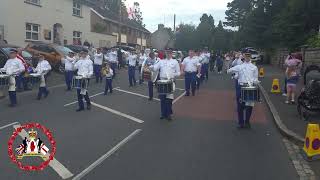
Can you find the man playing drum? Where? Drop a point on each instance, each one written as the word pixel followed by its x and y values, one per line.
pixel 146 69
pixel 169 70
pixel 85 70
pixel 43 68
pixel 247 75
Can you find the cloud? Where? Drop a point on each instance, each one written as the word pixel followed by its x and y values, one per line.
pixel 187 11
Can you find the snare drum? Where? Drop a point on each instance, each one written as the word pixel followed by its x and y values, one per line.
pixel 34 78
pixel 165 86
pixel 4 80
pixel 147 75
pixel 250 94
pixel 78 82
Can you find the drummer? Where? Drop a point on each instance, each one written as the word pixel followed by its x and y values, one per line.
pixel 149 62
pixel 247 75
pixel 43 68
pixel 85 70
pixel 13 67
pixel 169 70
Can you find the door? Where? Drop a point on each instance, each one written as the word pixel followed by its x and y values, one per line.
pixel 58 34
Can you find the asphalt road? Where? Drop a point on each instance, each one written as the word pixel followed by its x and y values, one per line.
pixel 123 138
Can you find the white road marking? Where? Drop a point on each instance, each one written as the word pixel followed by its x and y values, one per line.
pixel 136 94
pixel 180 79
pixel 74 102
pixel 105 156
pixel 63 172
pixel 8 125
pixel 178 98
pixel 117 113
pixel 180 89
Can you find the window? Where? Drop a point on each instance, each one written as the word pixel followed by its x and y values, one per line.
pixel 35 2
pixel 77 38
pixel 76 8
pixel 32 32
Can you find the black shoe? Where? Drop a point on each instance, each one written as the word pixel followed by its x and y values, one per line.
pixel 150 99
pixel 247 125
pixel 12 105
pixel 161 117
pixel 46 95
pixel 193 94
pixel 68 89
pixel 169 118
pixel 111 92
pixel 105 94
pixel 88 107
pixel 240 126
pixel 187 95
pixel 80 109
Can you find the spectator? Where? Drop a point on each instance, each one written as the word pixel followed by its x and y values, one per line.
pixel 219 63
pixel 292 75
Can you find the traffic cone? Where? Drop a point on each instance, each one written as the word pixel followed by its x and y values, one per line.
pixel 311 148
pixel 261 72
pixel 275 86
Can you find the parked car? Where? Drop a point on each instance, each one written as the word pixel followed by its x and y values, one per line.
pixel 52 52
pixel 77 48
pixel 5 50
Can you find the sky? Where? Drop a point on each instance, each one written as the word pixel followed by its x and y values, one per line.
pixel 156 12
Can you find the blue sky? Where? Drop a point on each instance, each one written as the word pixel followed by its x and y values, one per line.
pixel 187 11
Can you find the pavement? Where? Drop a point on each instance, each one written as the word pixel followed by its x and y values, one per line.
pixel 122 137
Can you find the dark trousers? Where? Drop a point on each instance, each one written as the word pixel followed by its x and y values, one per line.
pixel 212 63
pixel 132 75
pixel 80 99
pixel 166 106
pixel 220 68
pixel 114 67
pixel 190 80
pixel 150 86
pixel 242 109
pixel 285 86
pixel 68 78
pixel 205 71
pixel 108 86
pixel 140 79
pixel 42 91
pixel 13 97
pixel 97 72
pixel 198 82
pixel 21 82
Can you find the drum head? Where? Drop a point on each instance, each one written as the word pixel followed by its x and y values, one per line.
pixel 4 75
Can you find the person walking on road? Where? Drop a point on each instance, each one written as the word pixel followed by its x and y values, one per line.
pixel 248 75
pixel 113 60
pixel 69 61
pixel 132 62
pixel 219 63
pixel 149 62
pixel 43 68
pixel 97 65
pixel 108 73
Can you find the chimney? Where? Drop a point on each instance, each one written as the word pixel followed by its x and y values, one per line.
pixel 160 26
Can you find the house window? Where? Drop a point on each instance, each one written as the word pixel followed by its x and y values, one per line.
pixel 35 2
pixel 32 32
pixel 77 38
pixel 76 8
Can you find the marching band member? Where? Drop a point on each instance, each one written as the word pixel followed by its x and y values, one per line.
pixel 69 61
pixel 108 74
pixel 169 69
pixel 198 77
pixel 190 67
pixel 132 61
pixel 85 69
pixel 142 58
pixel 248 75
pixel 97 65
pixel 43 68
pixel 237 62
pixel 205 63
pixel 113 60
pixel 149 62
pixel 13 67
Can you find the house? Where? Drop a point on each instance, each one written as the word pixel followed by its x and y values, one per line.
pixel 162 38
pixel 65 22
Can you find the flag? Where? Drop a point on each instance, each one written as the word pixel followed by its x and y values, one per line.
pixel 44 150
pixel 20 149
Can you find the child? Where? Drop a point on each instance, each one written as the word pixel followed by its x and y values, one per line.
pixel 43 68
pixel 292 76
pixel 108 72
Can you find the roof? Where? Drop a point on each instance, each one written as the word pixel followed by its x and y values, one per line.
pixel 110 16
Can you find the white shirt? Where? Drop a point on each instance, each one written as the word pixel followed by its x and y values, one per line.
pixel 169 68
pixel 248 73
pixel 112 57
pixel 13 67
pixel 142 58
pixel 43 67
pixel 110 74
pixel 85 67
pixel 98 58
pixel 205 58
pixel 132 60
pixel 68 63
pixel 191 64
pixel 237 62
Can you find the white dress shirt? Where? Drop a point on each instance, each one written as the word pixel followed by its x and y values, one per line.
pixel 85 68
pixel 98 58
pixel 13 67
pixel 205 58
pixel 191 64
pixel 247 72
pixel 43 67
pixel 132 60
pixel 112 57
pixel 237 62
pixel 169 68
pixel 110 74
pixel 69 63
pixel 142 58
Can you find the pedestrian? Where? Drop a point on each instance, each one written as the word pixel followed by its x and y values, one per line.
pixel 227 61
pixel 212 62
pixel 107 71
pixel 97 65
pixel 169 70
pixel 190 67
pixel 13 67
pixel 219 63
pixel 132 62
pixel 69 61
pixel 248 76
pixel 205 64
pixel 292 76
pixel 85 70
pixel 43 68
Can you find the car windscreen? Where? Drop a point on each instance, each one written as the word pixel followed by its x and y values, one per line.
pixel 63 50
pixel 7 50
pixel 25 54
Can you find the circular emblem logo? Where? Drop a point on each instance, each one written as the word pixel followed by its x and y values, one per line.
pixel 31 146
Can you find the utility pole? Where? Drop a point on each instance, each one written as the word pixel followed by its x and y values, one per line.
pixel 174 23
pixel 120 21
